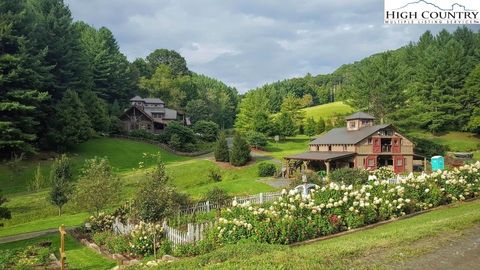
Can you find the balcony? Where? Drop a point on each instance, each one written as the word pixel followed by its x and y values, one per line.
pixel 386 148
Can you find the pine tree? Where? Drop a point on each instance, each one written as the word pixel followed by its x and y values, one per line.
pixel 60 179
pixel 20 72
pixel 240 153
pixel 286 125
pixel 321 126
pixel 72 124
pixel 310 127
pixel 97 111
pixel 222 153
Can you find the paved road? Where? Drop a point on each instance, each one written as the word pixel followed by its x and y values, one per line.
pixel 24 236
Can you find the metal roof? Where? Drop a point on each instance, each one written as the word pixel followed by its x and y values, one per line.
pixel 359 115
pixel 344 136
pixel 147 100
pixel 320 155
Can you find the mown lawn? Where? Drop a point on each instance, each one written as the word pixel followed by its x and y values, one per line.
pixel 456 141
pixel 78 256
pixel 326 111
pixel 375 248
pixel 123 155
pixel 289 146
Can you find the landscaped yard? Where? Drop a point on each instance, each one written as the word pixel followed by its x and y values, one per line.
pixel 377 248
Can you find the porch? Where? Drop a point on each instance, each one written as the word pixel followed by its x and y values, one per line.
pixel 318 161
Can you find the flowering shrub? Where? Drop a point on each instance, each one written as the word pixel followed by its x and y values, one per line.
pixel 336 207
pixel 102 222
pixel 143 236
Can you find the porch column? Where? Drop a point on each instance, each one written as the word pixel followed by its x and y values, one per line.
pixel 327 165
pixel 287 166
pixel 304 166
pixel 424 164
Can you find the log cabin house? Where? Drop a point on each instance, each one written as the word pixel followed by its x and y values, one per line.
pixel 361 144
pixel 150 114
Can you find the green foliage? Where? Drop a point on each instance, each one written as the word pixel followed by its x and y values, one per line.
pixel 255 139
pixel 217 195
pixel 240 153
pixel 145 238
pixel 60 180
pixel 214 175
pixel 97 111
pixel 175 142
pixel 169 58
pixel 71 124
pixel 207 130
pixel 184 133
pixel 428 148
pixel 38 181
pixel 114 243
pixel 266 169
pixel 4 212
pixel 321 126
pixel 98 187
pixel 254 114
pixel 222 153
pixel 311 127
pixel 286 125
pixel 349 176
pixel 101 223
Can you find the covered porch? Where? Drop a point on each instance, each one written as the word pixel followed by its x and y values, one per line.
pixel 318 161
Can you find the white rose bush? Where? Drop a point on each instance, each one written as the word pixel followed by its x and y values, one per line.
pixel 337 207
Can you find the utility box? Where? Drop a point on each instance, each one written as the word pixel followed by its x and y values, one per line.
pixel 438 163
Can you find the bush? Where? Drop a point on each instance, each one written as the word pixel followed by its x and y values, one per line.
pixel 139 133
pixel 184 133
pixel 102 222
pixel 349 176
pixel 256 140
pixel 217 195
pixel 222 153
pixel 266 169
pixel 207 130
pixel 214 175
pixel 428 148
pixel 175 142
pixel 143 236
pixel 240 153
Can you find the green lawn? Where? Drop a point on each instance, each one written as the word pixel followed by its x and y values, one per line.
pixel 328 110
pixel 78 256
pixel 456 141
pixel 289 146
pixel 369 249
pixel 124 155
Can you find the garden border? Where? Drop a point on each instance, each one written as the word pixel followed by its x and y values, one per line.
pixel 371 226
pixel 162 145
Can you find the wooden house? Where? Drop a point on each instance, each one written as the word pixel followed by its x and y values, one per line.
pixel 361 144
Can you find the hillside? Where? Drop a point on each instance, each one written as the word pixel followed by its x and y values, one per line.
pixel 328 110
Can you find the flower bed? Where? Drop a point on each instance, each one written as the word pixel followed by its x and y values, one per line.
pixel 338 207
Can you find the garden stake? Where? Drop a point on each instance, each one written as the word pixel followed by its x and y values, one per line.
pixel 62 247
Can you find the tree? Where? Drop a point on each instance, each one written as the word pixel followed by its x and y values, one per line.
pixel 164 85
pixel 72 124
pixel 98 186
pixel 321 126
pixel 311 127
pixel 286 125
pixel 170 58
pixel 97 111
pixel 198 110
pixel 184 133
pixel 60 180
pixel 38 180
pixel 221 152
pixel 155 200
pixel 4 212
pixel 254 113
pixel 255 139
pixel 207 130
pixel 470 101
pixel 240 153
pixel 21 72
pixel 218 196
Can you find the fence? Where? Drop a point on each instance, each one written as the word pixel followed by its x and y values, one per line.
pixel 194 233
pixel 205 207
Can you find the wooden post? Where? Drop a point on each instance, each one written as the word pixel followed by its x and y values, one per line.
pixel 62 246
pixel 261 198
pixel 327 164
pixel 425 164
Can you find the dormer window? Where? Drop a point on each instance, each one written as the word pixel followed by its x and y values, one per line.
pixel 352 124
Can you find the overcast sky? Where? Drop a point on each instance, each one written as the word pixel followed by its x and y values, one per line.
pixel 249 43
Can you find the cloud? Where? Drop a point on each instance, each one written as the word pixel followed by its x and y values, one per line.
pixel 249 43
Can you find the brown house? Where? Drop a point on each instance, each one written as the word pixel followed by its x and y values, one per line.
pixel 359 145
pixel 150 114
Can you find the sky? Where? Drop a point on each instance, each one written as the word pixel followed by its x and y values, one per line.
pixel 248 43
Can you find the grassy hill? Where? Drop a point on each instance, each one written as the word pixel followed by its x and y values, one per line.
pixel 328 110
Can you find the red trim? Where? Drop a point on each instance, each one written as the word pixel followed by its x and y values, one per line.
pixel 398 168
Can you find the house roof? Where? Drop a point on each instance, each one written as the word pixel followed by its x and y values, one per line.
pixel 359 115
pixel 320 155
pixel 344 136
pixel 147 100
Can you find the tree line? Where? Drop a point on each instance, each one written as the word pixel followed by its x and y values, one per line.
pixel 62 81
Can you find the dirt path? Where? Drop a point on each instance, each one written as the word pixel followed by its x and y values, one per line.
pixel 24 236
pixel 457 253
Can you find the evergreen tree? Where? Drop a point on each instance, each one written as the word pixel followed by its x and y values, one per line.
pixel 311 127
pixel 97 111
pixel 222 153
pixel 72 124
pixel 254 114
pixel 4 212
pixel 286 126
pixel 21 72
pixel 240 153
pixel 471 102
pixel 60 179
pixel 321 126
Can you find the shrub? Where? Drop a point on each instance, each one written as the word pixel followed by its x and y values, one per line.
pixel 214 175
pixel 117 243
pixel 175 142
pixel 143 236
pixel 140 133
pixel 102 222
pixel 266 169
pixel 217 195
pixel 5 213
pixel 222 153
pixel 240 153
pixel 184 133
pixel 60 177
pixel 349 176
pixel 256 140
pixel 207 130
pixel 428 148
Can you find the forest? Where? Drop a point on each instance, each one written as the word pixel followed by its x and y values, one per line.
pixel 63 81
pixel 432 84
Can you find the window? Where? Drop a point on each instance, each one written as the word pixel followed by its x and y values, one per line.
pixel 329 148
pixel 399 162
pixel 371 163
pixel 369 140
pixel 352 124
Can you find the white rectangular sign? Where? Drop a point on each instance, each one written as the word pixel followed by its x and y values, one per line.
pixel 432 11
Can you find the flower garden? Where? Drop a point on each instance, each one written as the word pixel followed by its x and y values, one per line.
pixel 294 217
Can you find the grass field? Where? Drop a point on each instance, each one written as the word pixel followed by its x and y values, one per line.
pixel 375 248
pixel 327 110
pixel 456 141
pixel 78 256
pixel 123 155
pixel 289 146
